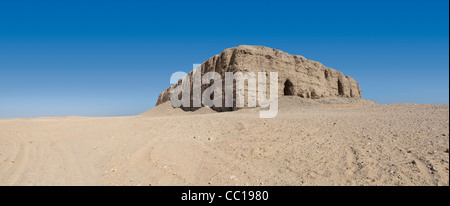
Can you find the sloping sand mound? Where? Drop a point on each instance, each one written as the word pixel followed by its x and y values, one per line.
pixel 166 109
pixel 284 103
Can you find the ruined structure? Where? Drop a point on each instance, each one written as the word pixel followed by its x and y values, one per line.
pixel 296 75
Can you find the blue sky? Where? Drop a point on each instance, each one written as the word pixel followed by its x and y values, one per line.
pixel 110 58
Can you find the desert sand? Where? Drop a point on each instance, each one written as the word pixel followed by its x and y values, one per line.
pixel 330 141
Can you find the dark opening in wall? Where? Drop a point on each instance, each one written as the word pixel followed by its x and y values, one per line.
pixel 340 88
pixel 288 88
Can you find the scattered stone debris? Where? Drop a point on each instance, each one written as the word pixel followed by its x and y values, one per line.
pixel 232 177
pixel 432 168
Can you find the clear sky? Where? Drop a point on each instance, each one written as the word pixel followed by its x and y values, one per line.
pixel 110 58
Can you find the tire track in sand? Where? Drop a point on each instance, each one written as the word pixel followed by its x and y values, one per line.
pixel 13 173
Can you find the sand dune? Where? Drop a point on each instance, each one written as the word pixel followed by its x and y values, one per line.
pixel 310 142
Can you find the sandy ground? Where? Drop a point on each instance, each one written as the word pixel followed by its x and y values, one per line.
pixel 327 142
